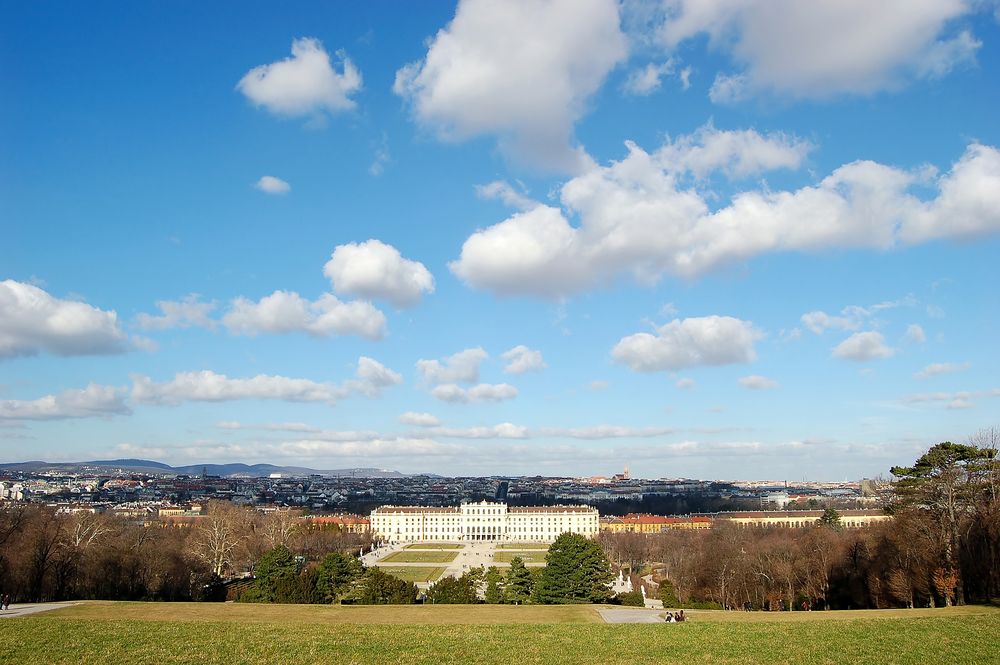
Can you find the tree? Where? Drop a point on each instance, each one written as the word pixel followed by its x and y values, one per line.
pixel 274 577
pixel 494 586
pixel 337 573
pixel 576 570
pixel 454 591
pixel 944 482
pixel 520 584
pixel 380 588
pixel 668 595
pixel 830 519
pixel 219 533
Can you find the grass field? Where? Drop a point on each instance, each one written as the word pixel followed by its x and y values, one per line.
pixel 523 546
pixel 532 556
pixel 232 633
pixel 418 556
pixel 434 546
pixel 414 573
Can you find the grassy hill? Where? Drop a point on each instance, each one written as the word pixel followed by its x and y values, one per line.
pixel 173 633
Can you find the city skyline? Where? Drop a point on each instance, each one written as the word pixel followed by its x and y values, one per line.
pixel 524 238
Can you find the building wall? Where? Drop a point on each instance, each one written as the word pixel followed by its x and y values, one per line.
pixel 486 520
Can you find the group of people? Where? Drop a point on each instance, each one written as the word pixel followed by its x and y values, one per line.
pixel 676 618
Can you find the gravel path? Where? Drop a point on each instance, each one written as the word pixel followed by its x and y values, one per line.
pixel 31 608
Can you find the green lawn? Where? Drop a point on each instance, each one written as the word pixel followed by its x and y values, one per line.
pixel 523 546
pixel 230 633
pixel 414 573
pixel 533 556
pixel 417 556
pixel 434 546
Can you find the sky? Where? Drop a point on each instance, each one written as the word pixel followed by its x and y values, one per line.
pixel 732 239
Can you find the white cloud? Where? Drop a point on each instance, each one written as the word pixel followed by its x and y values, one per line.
pixel 819 321
pixel 483 392
pixel 498 189
pixel 287 311
pixel 635 217
pixel 419 419
pixel 187 313
pixel 271 185
pixel 937 369
pixel 686 383
pixel 381 157
pixel 729 89
pixel 757 382
pixel 692 342
pixel 522 70
pixel 89 402
pixel 648 79
pixel 915 334
pixel 598 385
pixel 521 359
pixel 371 377
pixel 461 367
pixel 32 321
pixel 305 84
pixel 598 432
pixel 373 269
pixel 501 431
pixel 823 47
pixel 863 346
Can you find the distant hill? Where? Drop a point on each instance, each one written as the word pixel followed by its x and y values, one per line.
pixel 224 470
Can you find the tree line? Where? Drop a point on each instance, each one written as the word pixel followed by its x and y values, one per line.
pixel 942 547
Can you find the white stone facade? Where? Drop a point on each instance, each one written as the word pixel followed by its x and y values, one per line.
pixel 485 520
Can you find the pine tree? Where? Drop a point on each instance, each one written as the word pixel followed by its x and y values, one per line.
pixel 576 570
pixel 520 583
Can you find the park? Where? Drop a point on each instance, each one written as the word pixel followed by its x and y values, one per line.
pixel 110 631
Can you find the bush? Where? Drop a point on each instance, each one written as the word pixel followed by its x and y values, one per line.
pixel 668 594
pixel 630 598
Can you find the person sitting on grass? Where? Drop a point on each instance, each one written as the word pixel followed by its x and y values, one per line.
pixel 680 616
pixel 670 618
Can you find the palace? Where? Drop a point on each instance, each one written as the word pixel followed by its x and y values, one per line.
pixel 485 520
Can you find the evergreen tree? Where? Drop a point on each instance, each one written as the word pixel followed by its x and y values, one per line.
pixel 830 519
pixel 337 573
pixel 494 586
pixel 380 588
pixel 520 583
pixel 454 591
pixel 277 568
pixel 576 571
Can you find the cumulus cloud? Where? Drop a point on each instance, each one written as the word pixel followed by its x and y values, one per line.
pixel 190 312
pixel 636 216
pixel 937 369
pixel 692 342
pixel 371 377
pixel 498 189
pixel 89 402
pixel 521 359
pixel 287 311
pixel 598 432
pixel 419 419
pixel 462 367
pixel 474 81
pixel 819 321
pixel 271 185
pixel 863 346
pixel 961 399
pixel 500 431
pixel 304 84
pixel 824 47
pixel 32 321
pixel 483 392
pixel 373 269
pixel 757 382
pixel 648 79
pixel 915 334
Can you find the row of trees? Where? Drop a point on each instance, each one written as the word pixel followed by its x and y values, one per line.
pixel 49 555
pixel 942 547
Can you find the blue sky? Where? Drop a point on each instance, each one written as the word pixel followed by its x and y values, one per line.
pixel 729 240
